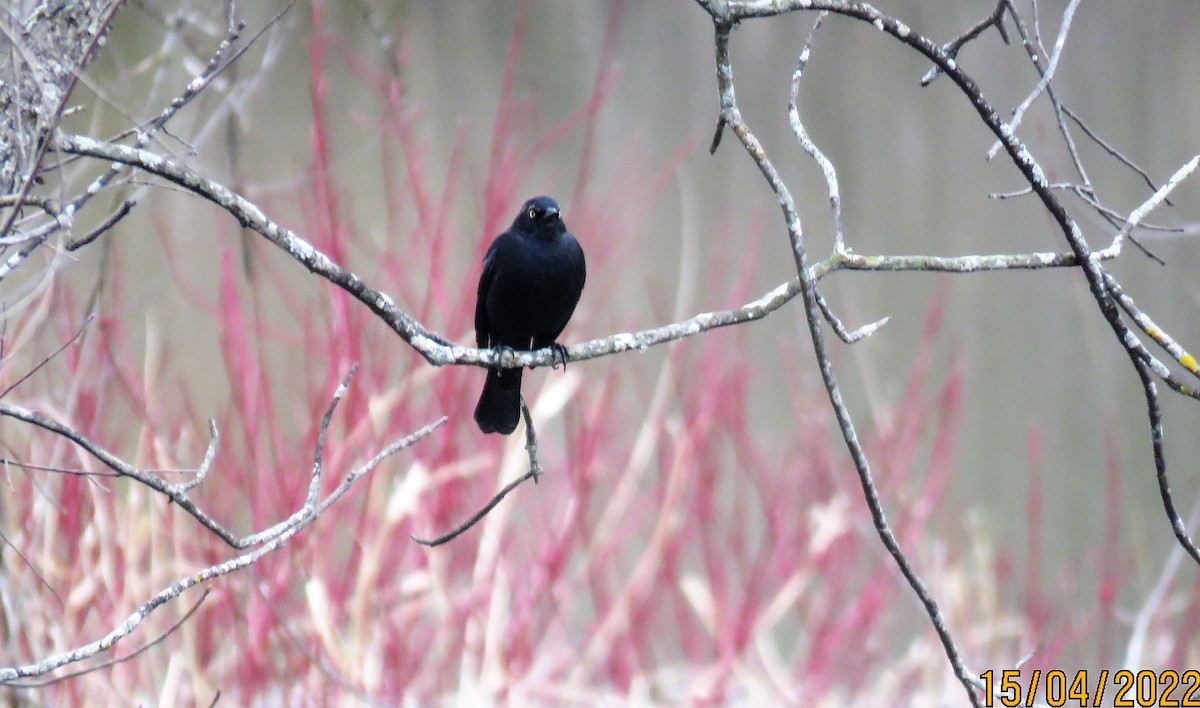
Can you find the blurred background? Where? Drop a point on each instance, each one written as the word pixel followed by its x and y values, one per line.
pixel 610 107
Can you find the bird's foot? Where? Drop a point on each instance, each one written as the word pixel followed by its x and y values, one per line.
pixel 502 349
pixel 560 356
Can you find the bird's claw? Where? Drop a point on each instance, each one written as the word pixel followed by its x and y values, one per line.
pixel 560 356
pixel 502 349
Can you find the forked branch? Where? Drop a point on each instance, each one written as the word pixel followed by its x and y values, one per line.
pixel 266 541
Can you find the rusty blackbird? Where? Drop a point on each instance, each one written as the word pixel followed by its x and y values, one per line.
pixel 532 277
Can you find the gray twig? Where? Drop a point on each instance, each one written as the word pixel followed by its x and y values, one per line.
pixel 298 522
pixel 724 17
pixel 535 471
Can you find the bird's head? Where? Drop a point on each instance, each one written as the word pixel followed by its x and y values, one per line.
pixel 539 217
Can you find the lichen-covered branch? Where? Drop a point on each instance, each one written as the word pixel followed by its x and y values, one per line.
pixel 439 352
pixel 1104 288
pixel 41 55
pixel 266 542
pixel 731 117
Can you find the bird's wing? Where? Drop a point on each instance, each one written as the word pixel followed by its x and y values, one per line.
pixel 575 289
pixel 483 331
pixel 582 267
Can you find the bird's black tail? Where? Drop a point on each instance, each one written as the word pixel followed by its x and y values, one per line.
pixel 499 406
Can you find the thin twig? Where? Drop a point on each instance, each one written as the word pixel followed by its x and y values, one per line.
pixel 1136 216
pixel 103 227
pixel 466 526
pixel 725 15
pixel 169 593
pixel 34 569
pixel 531 444
pixel 113 662
pixel 46 360
pixel 1160 337
pixel 1086 190
pixel 1052 65
pixel 535 471
pixel 1152 603
pixel 314 483
pixel 209 455
pixel 55 470
pixel 806 142
pixel 835 200
pixel 178 493
pixel 1113 151
pixel 848 336
pixel 173 492
pixel 813 316
pixel 952 47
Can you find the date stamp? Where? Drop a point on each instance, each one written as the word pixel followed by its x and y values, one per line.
pixel 1057 688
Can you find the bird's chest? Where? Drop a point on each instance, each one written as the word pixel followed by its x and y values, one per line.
pixel 531 283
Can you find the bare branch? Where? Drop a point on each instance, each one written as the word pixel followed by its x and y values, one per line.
pixel 1159 196
pixel 827 169
pixel 46 360
pixel 438 352
pixel 1160 337
pixel 479 515
pixel 535 471
pixel 120 660
pixel 35 87
pixel 1107 147
pixel 1052 66
pixel 104 226
pixel 952 48
pixel 206 464
pixel 169 593
pixel 531 444
pixel 733 117
pixel 176 493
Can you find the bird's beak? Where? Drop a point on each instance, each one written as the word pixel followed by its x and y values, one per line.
pixel 552 213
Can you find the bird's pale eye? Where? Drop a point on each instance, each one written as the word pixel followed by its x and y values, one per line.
pixel 533 212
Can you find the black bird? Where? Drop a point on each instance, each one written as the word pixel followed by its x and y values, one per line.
pixel 532 277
